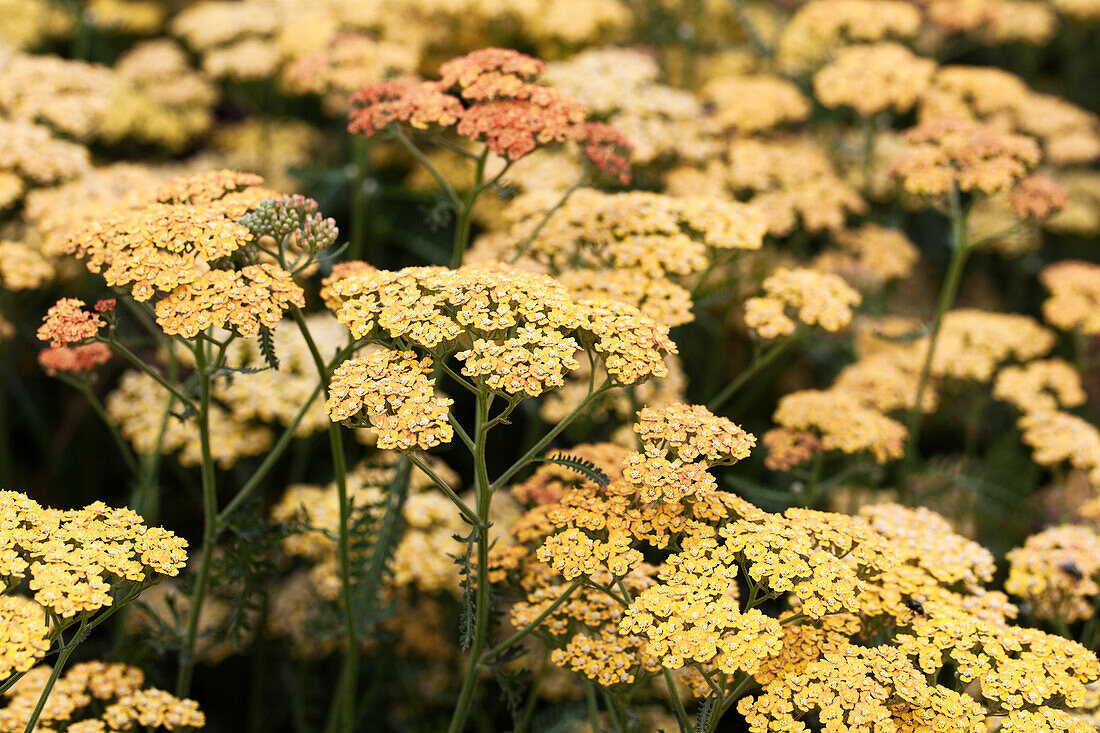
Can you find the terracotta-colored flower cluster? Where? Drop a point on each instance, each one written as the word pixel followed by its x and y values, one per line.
pixel 491 96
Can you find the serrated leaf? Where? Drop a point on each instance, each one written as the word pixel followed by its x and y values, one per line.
pixel 706 713
pixel 267 347
pixel 583 466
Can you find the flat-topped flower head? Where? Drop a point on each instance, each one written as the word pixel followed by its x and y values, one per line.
pixel 1074 302
pixel 74 559
pixel 493 96
pixel 800 296
pixel 74 359
pixel 1057 437
pixel 68 322
pixel 1036 197
pixel 1040 385
pixel 842 425
pixel 191 245
pixel 973 343
pixel 691 432
pixel 753 103
pixel 393 393
pixel 958 152
pixel 245 300
pixel 874 78
pixel 24 633
pixel 23 268
pixel 1057 572
pixel 521 331
pixel 95 697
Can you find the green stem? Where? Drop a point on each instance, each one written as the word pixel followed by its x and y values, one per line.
pixel 959 251
pixel 755 368
pixel 360 201
pixel 448 189
pixel 553 433
pixel 593 705
pixel 484 493
pixel 678 705
pixel 62 658
pixel 516 637
pixel 526 243
pixel 133 359
pixel 462 227
pixel 97 406
pixel 186 667
pixel 349 671
pixel 533 694
pixel 470 514
pixel 268 463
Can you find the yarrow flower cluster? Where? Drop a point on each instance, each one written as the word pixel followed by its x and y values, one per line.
pixel 1074 302
pixel 68 322
pixel 491 95
pixel 955 152
pixel 79 561
pixel 522 329
pixel 632 247
pixel 186 244
pixel 800 296
pixel 392 391
pixel 94 697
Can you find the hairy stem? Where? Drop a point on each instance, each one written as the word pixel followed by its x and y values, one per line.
pixel 484 493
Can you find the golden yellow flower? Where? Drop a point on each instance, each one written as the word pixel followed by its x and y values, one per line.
pixel 753 103
pixel 818 27
pixel 22 268
pixel 1058 436
pixel 800 296
pixel 873 78
pixel 1074 302
pixel 842 425
pixel 1040 385
pixel 1057 572
pixel 75 558
pixel 94 697
pixel 391 390
pixel 24 633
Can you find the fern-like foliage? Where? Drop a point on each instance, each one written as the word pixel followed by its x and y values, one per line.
pixel 583 466
pixel 267 347
pixel 374 537
pixel 467 620
pixel 706 714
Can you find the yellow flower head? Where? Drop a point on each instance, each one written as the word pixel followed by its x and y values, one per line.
pixel 1074 302
pixel 1040 385
pixel 842 425
pixel 75 558
pixel 800 295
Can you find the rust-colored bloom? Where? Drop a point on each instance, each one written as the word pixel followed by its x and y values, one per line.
pixel 74 359
pixel 67 322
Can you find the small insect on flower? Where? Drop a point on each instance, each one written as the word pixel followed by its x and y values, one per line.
pixel 1071 569
pixel 915 606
